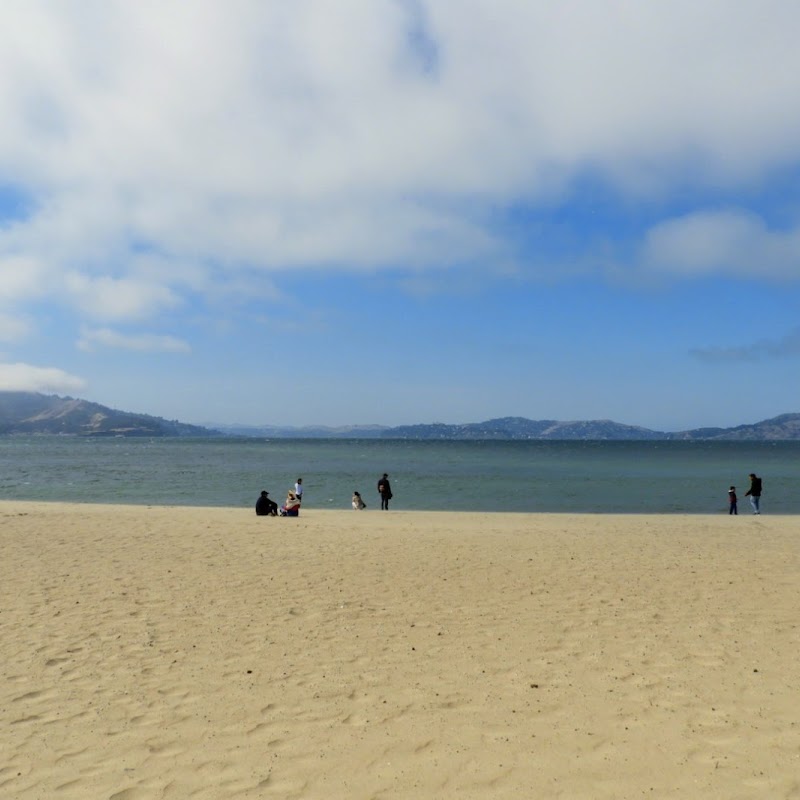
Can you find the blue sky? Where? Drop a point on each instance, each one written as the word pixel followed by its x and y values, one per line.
pixel 399 211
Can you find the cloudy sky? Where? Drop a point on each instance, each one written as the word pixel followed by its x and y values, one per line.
pixel 397 211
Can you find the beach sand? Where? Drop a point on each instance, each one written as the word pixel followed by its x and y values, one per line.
pixel 209 653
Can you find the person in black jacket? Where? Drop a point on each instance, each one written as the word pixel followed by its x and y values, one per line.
pixel 754 493
pixel 385 491
pixel 266 507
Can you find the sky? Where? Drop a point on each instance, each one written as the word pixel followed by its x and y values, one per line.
pixel 334 212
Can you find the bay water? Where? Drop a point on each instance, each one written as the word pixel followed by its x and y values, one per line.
pixel 476 476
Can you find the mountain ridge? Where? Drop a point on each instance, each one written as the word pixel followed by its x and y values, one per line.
pixel 39 414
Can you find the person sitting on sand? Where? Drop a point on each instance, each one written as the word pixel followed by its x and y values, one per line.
pixel 358 503
pixel 266 507
pixel 291 508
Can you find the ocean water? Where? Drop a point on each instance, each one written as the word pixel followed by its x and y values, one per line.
pixel 604 477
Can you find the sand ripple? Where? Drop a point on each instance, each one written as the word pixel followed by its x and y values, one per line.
pixel 205 653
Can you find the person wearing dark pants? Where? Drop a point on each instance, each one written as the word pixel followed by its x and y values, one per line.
pixel 754 493
pixel 266 507
pixel 385 491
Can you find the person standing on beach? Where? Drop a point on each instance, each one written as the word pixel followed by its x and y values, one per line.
pixel 734 509
pixel 298 490
pixel 754 493
pixel 385 491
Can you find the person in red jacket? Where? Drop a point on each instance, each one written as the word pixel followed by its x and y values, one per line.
pixel 734 509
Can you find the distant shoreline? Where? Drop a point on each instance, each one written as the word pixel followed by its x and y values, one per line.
pixel 29 505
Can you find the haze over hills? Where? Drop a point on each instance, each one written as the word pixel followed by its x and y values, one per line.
pixel 31 413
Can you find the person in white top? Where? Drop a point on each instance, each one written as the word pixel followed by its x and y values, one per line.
pixel 298 490
pixel 358 503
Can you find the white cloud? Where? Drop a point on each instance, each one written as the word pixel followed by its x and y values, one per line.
pixel 13 328
pixel 21 277
pixel 27 378
pixel 734 243
pixel 363 133
pixel 91 339
pixel 117 298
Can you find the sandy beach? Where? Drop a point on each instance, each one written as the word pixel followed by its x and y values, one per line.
pixel 160 652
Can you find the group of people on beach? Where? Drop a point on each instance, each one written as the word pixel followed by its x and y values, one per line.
pixel 291 507
pixel 754 493
pixel 265 507
pixel 384 490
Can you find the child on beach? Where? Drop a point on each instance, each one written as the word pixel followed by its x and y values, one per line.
pixel 732 501
pixel 358 503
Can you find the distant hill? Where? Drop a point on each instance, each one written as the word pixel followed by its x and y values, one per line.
pixel 31 413
pixel 521 428
pixel 784 427
pixel 780 428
